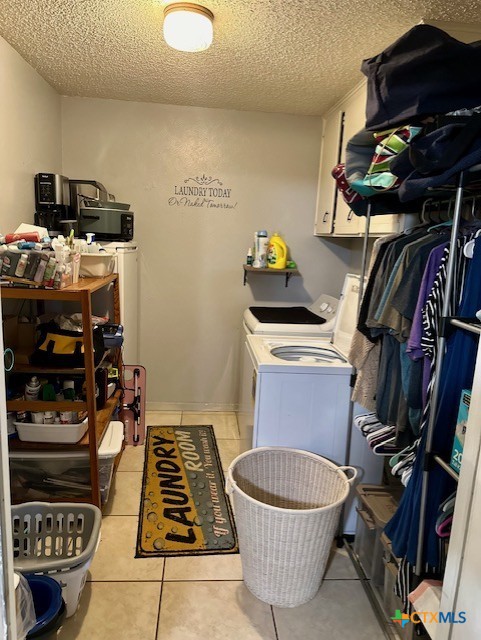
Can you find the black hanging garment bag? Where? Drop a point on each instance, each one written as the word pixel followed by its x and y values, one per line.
pixel 425 72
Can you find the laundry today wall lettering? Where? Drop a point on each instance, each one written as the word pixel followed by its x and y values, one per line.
pixel 202 192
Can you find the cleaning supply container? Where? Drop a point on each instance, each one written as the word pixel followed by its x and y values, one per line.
pixel 32 388
pixel 276 253
pixel 261 243
pixel 287 505
pixel 59 540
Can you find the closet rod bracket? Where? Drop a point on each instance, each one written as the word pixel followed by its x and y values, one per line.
pixel 429 461
pixel 447 328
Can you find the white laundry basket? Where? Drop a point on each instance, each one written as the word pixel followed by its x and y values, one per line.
pixel 287 504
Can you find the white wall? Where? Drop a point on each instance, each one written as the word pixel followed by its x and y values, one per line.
pixel 29 133
pixel 30 142
pixel 191 293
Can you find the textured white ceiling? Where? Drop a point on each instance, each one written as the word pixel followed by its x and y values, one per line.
pixel 293 56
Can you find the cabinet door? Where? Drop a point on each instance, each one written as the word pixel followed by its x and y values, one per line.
pixel 345 221
pixel 330 153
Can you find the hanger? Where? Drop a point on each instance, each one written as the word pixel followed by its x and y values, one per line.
pixel 446 223
pixel 423 211
pixel 444 529
pixel 448 504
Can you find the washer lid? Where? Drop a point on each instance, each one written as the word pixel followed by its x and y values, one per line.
pixel 286 315
pixel 346 318
pixel 303 353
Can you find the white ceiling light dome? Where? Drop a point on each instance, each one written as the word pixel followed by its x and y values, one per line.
pixel 188 26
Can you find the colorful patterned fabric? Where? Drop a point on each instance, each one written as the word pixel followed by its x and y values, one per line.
pixel 390 143
pixel 339 175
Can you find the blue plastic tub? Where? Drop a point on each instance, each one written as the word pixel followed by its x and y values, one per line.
pixel 48 603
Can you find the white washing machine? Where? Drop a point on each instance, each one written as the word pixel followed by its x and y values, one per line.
pixel 302 385
pixel 295 392
pixel 316 320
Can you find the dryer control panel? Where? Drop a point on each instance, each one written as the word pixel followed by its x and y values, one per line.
pixel 325 306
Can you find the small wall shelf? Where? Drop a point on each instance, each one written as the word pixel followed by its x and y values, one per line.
pixel 288 273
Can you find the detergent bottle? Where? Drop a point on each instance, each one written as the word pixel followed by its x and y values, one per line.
pixel 276 253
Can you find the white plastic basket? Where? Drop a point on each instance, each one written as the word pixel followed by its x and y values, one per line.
pixel 287 504
pixel 72 582
pixel 59 433
pixel 96 265
pixel 58 540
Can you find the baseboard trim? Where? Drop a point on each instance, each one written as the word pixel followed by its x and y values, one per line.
pixel 192 406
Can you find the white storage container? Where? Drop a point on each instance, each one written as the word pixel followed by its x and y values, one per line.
pixel 96 265
pixel 109 450
pixel 41 475
pixel 72 582
pixel 56 433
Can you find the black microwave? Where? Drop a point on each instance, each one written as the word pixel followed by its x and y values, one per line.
pixel 107 222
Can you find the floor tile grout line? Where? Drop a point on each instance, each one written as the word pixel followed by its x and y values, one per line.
pixel 203 580
pixel 160 600
pixel 237 423
pixel 274 622
pixel 165 581
pixel 187 581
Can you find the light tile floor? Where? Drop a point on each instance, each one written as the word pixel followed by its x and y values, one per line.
pixel 197 597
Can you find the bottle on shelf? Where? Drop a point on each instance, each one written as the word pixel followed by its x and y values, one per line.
pixel 261 242
pixel 32 389
pixel 21 265
pixel 276 253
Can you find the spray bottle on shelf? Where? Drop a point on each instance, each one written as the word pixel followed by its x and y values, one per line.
pixel 32 389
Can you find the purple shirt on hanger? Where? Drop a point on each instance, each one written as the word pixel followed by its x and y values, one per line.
pixel 414 349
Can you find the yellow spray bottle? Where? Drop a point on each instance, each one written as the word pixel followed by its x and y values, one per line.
pixel 276 253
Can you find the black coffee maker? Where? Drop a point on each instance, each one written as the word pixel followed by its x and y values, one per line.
pixel 52 204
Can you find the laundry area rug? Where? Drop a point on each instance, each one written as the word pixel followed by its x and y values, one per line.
pixel 184 509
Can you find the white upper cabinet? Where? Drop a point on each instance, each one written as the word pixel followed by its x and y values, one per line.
pixel 346 223
pixel 330 154
pixel 334 217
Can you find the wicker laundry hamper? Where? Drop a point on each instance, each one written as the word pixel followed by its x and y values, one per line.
pixel 287 505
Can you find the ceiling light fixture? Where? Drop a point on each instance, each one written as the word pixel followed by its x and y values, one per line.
pixel 188 26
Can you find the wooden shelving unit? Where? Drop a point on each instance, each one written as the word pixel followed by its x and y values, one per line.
pixel 49 371
pixel 97 420
pixel 103 418
pixel 287 273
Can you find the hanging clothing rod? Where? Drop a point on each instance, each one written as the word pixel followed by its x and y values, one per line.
pixel 441 346
pixel 364 257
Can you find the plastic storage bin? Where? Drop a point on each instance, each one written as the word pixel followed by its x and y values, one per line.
pixel 59 540
pixel 287 505
pixel 58 433
pixel 39 475
pixel 110 449
pixel 377 504
pixel 96 265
